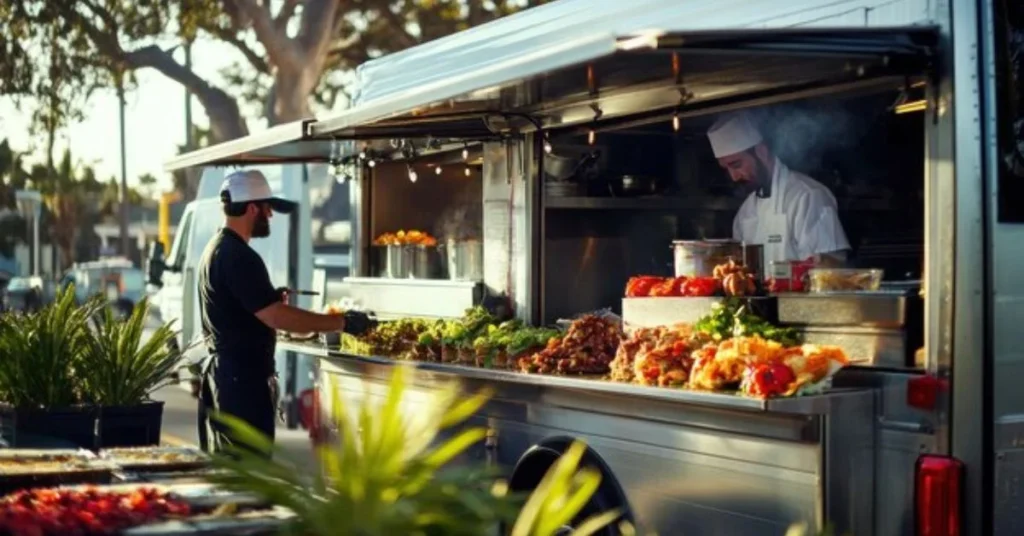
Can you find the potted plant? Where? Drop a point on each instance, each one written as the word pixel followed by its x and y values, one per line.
pixel 120 368
pixel 39 362
pixel 388 473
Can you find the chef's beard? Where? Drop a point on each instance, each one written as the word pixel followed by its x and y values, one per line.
pixel 762 179
pixel 261 227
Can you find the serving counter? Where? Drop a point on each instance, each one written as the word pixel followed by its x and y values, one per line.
pixel 689 461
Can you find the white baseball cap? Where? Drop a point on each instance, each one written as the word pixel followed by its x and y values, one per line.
pixel 733 134
pixel 250 185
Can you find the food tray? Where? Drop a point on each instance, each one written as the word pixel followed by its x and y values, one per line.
pixel 263 522
pixel 25 468
pixel 844 279
pixel 163 459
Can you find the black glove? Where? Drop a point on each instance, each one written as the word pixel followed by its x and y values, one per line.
pixel 358 323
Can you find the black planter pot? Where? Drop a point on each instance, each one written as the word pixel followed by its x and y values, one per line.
pixel 130 426
pixel 73 427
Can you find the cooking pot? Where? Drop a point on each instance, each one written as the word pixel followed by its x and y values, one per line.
pixel 633 185
pixel 408 262
pixel 465 260
pixel 698 258
pixel 561 168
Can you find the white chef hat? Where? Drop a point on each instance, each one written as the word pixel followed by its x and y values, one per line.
pixel 733 133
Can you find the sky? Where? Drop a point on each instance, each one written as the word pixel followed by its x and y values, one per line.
pixel 154 121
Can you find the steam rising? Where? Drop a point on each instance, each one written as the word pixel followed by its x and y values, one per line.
pixel 804 136
pixel 464 219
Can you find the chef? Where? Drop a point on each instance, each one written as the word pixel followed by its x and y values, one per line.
pixel 241 310
pixel 793 216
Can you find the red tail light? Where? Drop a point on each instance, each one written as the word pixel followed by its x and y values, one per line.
pixel 937 494
pixel 309 411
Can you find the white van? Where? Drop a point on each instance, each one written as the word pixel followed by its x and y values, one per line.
pixel 287 253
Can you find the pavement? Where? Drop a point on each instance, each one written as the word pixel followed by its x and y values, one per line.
pixel 180 428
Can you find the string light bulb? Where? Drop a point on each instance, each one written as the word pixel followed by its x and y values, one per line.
pixel 465 153
pixel 675 122
pixel 591 137
pixel 372 163
pixel 547 144
pixel 467 172
pixel 412 173
pixel 437 170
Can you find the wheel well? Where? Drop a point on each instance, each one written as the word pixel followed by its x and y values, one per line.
pixel 535 462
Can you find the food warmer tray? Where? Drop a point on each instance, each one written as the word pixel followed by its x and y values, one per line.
pixel 72 467
pixel 669 310
pixel 817 404
pixel 158 459
pixel 261 523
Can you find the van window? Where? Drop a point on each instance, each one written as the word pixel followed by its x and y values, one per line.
pixel 1009 48
pixel 176 257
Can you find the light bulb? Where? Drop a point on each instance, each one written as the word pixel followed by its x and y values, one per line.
pixel 372 163
pixel 675 122
pixel 547 147
pixel 465 154
pixel 437 170
pixel 467 171
pixel 412 174
pixel 341 179
pixel 591 137
pixel 362 155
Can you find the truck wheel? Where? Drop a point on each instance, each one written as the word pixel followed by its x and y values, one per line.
pixel 533 465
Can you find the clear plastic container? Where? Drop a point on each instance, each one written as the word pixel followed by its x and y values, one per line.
pixel 844 279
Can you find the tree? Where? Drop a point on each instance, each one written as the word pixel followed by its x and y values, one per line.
pixel 286 48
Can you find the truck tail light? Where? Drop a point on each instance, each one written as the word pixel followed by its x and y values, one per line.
pixel 923 392
pixel 939 480
pixel 309 412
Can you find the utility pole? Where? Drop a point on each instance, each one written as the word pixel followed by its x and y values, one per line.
pixel 188 100
pixel 124 176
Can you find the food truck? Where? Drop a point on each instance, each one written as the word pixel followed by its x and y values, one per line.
pixel 537 166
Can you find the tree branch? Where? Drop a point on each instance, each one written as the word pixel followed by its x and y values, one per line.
pixel 285 14
pixel 225 118
pixel 279 48
pixel 317 26
pixel 406 39
pixel 231 38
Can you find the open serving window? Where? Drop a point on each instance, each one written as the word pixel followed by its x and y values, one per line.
pixel 615 105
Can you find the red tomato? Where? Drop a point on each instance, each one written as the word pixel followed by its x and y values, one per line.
pixel 640 286
pixel 700 287
pixel 767 380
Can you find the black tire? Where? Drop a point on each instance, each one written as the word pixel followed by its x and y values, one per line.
pixel 532 466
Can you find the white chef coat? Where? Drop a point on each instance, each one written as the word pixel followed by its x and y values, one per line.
pixel 798 220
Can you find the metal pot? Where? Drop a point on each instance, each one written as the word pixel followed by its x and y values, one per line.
pixel 633 185
pixel 465 260
pixel 699 257
pixel 561 168
pixel 408 262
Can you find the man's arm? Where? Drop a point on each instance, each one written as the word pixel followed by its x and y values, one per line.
pixel 284 317
pixel 251 285
pixel 819 233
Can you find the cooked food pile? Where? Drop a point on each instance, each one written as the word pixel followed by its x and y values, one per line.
pixel 729 349
pixel 588 347
pixel 57 512
pixel 406 238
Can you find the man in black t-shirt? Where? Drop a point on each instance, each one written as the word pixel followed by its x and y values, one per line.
pixel 241 309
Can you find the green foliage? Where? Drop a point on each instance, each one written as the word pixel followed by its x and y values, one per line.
pixel 389 473
pixel 42 353
pixel 119 367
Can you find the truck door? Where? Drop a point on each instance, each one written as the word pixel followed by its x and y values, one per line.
pixel 171 292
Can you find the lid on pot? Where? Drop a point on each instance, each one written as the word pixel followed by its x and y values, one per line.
pixel 707 242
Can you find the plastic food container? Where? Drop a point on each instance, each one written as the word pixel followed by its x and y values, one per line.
pixel 844 279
